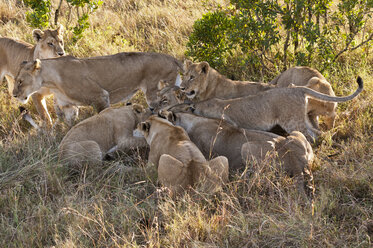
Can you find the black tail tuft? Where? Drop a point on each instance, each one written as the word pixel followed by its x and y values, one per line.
pixel 360 82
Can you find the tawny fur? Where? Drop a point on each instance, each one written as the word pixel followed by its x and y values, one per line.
pixel 49 44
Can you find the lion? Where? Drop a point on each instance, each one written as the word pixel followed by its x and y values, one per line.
pixel 110 130
pixel 49 44
pixel 218 138
pixel 285 107
pixel 97 81
pixel 201 82
pixel 179 162
pixel 311 78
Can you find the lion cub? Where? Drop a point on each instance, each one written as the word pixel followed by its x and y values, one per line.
pixel 311 78
pixel 110 130
pixel 180 163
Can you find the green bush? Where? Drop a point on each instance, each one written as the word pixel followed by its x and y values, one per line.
pixel 267 36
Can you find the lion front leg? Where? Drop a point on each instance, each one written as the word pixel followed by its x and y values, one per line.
pixel 41 106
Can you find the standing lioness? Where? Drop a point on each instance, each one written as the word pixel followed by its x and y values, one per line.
pixel 180 163
pixel 49 44
pixel 97 81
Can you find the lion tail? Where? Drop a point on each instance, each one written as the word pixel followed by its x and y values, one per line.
pixel 317 95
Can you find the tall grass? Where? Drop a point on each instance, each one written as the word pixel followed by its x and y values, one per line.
pixel 119 204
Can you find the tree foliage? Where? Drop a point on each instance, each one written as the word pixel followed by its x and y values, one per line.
pixel 272 35
pixel 41 13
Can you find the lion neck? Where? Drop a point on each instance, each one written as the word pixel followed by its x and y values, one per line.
pixel 187 121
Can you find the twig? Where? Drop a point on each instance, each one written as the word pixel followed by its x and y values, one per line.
pixel 57 13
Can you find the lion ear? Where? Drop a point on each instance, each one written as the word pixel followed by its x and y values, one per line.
pixel 137 108
pixel 204 66
pixel 161 85
pixel 37 34
pixel 144 126
pixel 187 63
pixel 171 117
pixel 36 65
pixel 60 29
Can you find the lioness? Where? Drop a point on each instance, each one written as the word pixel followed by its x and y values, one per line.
pixel 215 137
pixel 110 130
pixel 49 44
pixel 309 77
pixel 285 107
pixel 180 163
pixel 201 82
pixel 97 81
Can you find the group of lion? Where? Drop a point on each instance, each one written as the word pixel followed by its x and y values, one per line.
pixel 203 115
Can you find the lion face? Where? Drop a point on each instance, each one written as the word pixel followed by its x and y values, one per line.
pixel 49 43
pixel 195 78
pixel 27 81
pixel 168 96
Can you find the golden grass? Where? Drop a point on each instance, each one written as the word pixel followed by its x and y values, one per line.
pixel 44 204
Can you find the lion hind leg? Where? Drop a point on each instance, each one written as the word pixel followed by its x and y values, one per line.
pixel 217 175
pixel 173 174
pixel 77 153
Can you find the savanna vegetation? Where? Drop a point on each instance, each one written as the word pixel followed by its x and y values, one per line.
pixel 119 204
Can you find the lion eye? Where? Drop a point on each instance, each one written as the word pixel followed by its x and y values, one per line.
pixel 164 100
pixel 20 82
pixel 50 44
pixel 191 78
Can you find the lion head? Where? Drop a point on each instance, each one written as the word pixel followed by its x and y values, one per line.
pixel 28 80
pixel 49 43
pixel 195 78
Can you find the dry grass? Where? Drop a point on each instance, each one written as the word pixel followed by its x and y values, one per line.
pixel 45 204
